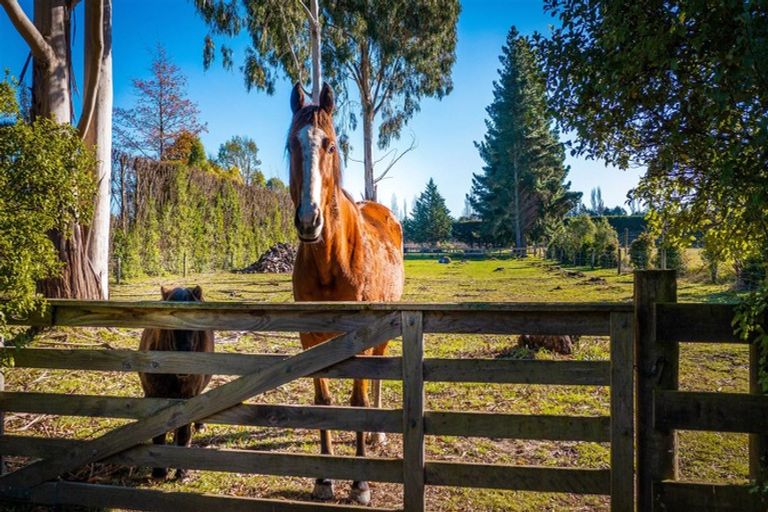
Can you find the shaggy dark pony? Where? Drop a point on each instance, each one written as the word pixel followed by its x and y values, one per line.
pixel 159 385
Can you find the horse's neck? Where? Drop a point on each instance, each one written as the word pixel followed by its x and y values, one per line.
pixel 341 241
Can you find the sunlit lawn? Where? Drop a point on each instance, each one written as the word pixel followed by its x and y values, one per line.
pixel 706 367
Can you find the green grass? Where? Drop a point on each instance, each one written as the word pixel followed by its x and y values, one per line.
pixel 714 457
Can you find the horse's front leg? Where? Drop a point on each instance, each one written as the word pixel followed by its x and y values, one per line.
pixel 183 438
pixel 377 438
pixel 323 486
pixel 160 473
pixel 360 492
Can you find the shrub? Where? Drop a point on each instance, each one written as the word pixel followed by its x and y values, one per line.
pixel 46 184
pixel 640 251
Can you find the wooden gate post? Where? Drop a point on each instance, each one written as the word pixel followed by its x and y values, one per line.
pixel 413 412
pixel 657 368
pixel 758 444
pixel 622 414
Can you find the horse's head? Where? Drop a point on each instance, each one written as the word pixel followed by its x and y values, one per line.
pixel 183 341
pixel 315 165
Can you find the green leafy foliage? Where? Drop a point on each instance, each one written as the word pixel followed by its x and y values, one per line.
pixel 46 184
pixel 430 220
pixel 682 88
pixel 751 324
pixel 242 153
pixel 583 240
pixel 521 190
pixel 208 220
pixel 640 251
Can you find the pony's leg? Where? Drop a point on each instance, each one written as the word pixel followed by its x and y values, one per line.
pixel 183 437
pixel 323 486
pixel 377 438
pixel 159 472
pixel 361 492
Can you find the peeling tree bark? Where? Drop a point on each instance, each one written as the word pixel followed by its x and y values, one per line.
pixel 48 39
pixel 98 133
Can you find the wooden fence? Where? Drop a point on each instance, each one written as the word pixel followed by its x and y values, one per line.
pixel 662 409
pixel 365 325
pixel 656 324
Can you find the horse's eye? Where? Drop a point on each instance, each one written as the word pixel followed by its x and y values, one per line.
pixel 331 148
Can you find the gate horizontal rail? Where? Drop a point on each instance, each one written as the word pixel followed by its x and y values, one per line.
pixel 612 320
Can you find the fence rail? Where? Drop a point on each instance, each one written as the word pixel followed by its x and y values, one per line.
pixel 663 409
pixel 337 360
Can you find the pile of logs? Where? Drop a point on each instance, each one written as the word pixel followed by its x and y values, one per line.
pixel 278 259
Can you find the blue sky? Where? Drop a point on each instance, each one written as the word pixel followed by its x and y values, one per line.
pixel 444 130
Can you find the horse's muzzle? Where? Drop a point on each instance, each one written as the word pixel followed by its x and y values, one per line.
pixel 309 224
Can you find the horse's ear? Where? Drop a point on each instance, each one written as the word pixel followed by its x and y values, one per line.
pixel 297 98
pixel 165 292
pixel 197 293
pixel 326 98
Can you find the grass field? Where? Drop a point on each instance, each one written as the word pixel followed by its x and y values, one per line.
pixel 709 456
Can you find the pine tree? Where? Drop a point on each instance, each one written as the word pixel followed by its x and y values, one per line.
pixel 521 189
pixel 430 220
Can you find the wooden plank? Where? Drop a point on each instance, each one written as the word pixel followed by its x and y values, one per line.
pixel 719 412
pixel 701 497
pixel 519 478
pixel 112 496
pixel 657 369
pixel 207 315
pixel 544 322
pixel 258 415
pixel 212 363
pixel 229 460
pixel 204 405
pixel 514 371
pixel 413 412
pixel 594 429
pixel 622 414
pixel 699 322
pixel 488 318
pixel 758 442
pixel 508 371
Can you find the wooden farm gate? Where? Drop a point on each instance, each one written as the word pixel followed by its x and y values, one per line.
pixel 365 325
pixel 662 409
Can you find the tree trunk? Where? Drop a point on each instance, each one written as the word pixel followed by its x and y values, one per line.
pixel 365 97
pixel 52 98
pixel 317 72
pixel 99 137
pixel 51 95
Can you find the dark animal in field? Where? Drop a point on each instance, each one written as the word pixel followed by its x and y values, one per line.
pixel 558 344
pixel 160 385
pixel 347 250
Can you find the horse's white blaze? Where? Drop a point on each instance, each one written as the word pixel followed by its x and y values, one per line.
pixel 311 140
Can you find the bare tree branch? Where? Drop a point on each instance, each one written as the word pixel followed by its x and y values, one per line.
pixel 37 43
pixel 95 32
pixel 396 158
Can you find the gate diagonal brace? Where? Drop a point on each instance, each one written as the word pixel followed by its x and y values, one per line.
pixel 19 483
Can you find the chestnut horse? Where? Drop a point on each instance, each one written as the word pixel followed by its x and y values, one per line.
pixel 348 251
pixel 160 385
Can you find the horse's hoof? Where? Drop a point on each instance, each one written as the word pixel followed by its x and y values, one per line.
pixel 323 489
pixel 181 475
pixel 360 493
pixel 159 473
pixel 377 438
